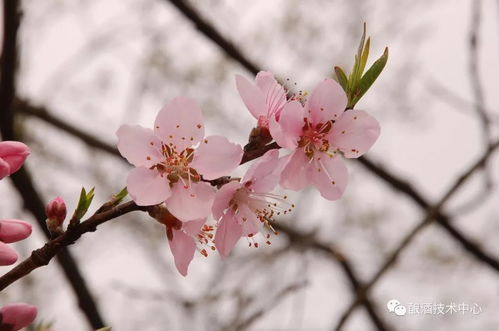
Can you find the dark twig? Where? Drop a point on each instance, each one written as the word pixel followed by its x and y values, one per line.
pixel 214 35
pixel 22 180
pixel 433 213
pixel 42 256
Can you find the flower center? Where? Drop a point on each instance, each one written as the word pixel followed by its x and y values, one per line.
pixel 175 166
pixel 314 137
pixel 264 205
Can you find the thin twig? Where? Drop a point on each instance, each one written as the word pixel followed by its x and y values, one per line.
pixel 44 255
pixel 433 213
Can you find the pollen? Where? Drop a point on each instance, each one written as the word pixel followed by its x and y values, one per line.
pixel 178 126
pixel 199 126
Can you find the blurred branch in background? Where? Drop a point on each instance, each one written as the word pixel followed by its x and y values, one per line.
pixel 433 213
pixel 22 180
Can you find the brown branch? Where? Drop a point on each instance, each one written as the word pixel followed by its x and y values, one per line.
pixel 433 213
pixel 22 180
pixel 214 35
pixel 42 256
pixel 309 241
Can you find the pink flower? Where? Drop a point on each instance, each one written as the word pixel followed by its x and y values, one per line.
pixel 11 231
pixel 16 316
pixel 265 100
pixel 243 207
pixel 316 133
pixel 12 156
pixel 184 237
pixel 169 166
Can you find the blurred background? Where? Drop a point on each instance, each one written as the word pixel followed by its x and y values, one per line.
pixel 86 67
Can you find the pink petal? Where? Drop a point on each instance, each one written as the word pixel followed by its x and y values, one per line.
pixel 191 203
pixel 147 187
pixel 14 153
pixel 180 123
pixel 139 145
pixel 294 176
pixel 252 96
pixel 288 130
pixel 248 220
pixel 354 133
pixel 192 227
pixel 183 248
pixel 4 169
pixel 19 315
pixel 223 197
pixel 264 173
pixel 216 157
pixel 329 175
pixel 14 230
pixel 8 256
pixel 275 95
pixel 228 233
pixel 327 102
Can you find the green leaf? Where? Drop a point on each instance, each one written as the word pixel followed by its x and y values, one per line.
pixel 342 78
pixel 364 56
pixel 362 39
pixel 83 203
pixel 120 196
pixel 369 77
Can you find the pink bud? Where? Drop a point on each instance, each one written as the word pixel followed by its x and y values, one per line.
pixel 12 156
pixel 8 256
pixel 18 315
pixel 56 214
pixel 14 230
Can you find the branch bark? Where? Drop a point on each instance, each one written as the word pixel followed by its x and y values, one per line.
pixel 22 179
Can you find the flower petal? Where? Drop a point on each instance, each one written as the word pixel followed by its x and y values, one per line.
pixel 275 95
pixel 139 145
pixel 265 172
pixel 248 220
pixel 191 203
pixel 287 131
pixel 229 231
pixel 19 315
pixel 294 176
pixel 223 197
pixel 14 230
pixel 192 227
pixel 4 169
pixel 354 133
pixel 180 123
pixel 329 175
pixel 8 256
pixel 147 187
pixel 216 156
pixel 327 102
pixel 252 96
pixel 14 153
pixel 183 248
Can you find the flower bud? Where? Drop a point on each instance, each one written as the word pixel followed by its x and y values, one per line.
pixel 17 316
pixel 12 156
pixel 14 230
pixel 56 214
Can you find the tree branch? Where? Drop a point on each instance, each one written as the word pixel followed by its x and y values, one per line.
pixel 432 214
pixel 22 180
pixel 42 256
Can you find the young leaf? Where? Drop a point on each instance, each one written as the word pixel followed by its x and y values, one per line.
pixel 342 78
pixel 83 203
pixel 369 77
pixel 364 56
pixel 120 196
